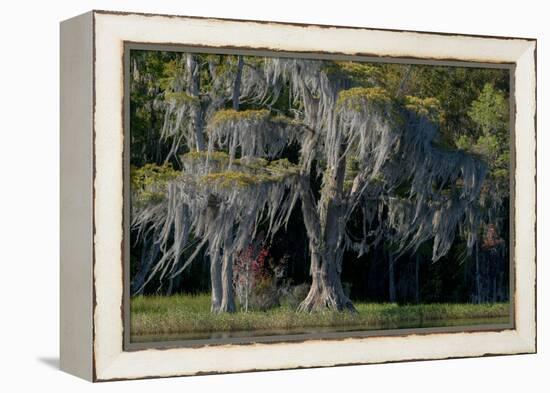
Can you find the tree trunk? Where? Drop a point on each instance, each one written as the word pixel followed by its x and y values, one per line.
pixel 223 297
pixel 494 294
pixel 193 90
pixel 247 287
pixel 215 263
pixel 228 297
pixel 417 278
pixel 326 290
pixel 391 276
pixel 237 85
pixel 478 277
pixel 216 284
pixel 149 254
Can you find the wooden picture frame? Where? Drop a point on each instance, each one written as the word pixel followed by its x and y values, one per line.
pixel 94 279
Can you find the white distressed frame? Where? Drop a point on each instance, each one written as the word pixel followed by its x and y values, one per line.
pixel 111 30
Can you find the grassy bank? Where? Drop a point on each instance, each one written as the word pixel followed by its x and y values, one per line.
pixel 185 314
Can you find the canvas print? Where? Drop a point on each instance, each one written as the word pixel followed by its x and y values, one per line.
pixel 276 196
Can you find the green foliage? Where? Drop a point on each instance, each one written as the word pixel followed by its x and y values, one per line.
pixel 230 115
pixel 252 172
pixel 150 181
pixel 230 179
pixel 215 156
pixel 147 82
pixel 282 167
pixel 488 146
pixel 490 111
pixel 359 74
pixel 170 71
pixel 390 77
pixel 181 98
pixel 352 169
pixel 455 88
pixel 357 98
pixel 463 142
pixel 429 107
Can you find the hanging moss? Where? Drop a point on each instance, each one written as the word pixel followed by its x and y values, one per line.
pixel 254 132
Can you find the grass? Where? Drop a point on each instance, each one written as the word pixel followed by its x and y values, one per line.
pixel 157 316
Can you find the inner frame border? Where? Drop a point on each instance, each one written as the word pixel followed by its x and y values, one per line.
pixel 128 345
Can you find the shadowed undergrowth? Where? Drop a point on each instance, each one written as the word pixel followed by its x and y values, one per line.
pixel 187 314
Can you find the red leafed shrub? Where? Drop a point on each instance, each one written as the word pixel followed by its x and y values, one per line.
pixel 250 268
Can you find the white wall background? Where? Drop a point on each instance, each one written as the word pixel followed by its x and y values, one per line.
pixel 29 197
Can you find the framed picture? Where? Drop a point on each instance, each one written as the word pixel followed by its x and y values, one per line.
pixel 245 195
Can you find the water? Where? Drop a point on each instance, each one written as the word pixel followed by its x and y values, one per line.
pixel 467 323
